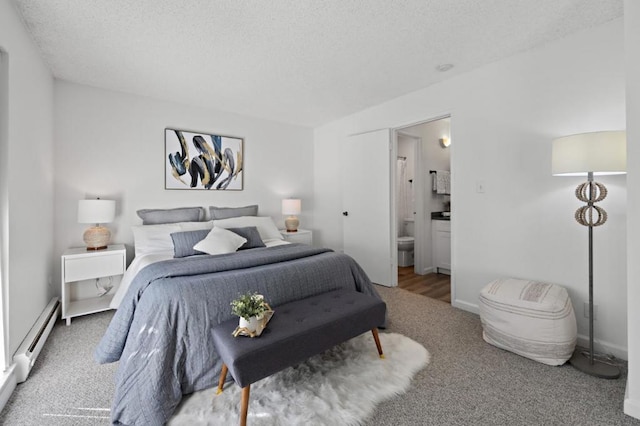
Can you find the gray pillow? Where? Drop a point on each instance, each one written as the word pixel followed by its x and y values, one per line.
pixel 251 234
pixel 183 242
pixel 180 214
pixel 227 212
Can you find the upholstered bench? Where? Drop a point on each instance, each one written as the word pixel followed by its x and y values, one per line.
pixel 297 331
pixel 532 319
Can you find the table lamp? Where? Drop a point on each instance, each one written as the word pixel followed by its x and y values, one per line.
pixel 98 211
pixel 291 207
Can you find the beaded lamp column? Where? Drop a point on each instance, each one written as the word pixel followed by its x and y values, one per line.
pixel 590 153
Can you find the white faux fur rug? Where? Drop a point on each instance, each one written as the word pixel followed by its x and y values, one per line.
pixel 341 386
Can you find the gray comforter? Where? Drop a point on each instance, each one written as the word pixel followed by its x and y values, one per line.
pixel 161 334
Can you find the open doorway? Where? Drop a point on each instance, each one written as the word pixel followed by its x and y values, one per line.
pixel 423 208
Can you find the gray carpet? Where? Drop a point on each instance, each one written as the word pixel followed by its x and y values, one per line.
pixel 467 382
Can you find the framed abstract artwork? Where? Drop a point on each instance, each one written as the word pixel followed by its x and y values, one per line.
pixel 196 160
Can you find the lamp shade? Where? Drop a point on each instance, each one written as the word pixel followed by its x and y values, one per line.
pixel 96 211
pixel 291 206
pixel 603 153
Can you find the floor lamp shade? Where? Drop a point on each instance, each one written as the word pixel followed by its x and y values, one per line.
pixel 96 211
pixel 291 207
pixel 597 153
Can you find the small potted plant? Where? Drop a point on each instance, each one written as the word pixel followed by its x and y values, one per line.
pixel 250 307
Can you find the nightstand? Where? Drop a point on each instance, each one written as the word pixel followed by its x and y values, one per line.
pixel 303 236
pixel 79 265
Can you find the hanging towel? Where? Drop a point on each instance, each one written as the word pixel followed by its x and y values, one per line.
pixel 442 182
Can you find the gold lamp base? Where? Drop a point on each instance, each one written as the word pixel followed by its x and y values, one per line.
pixel 96 237
pixel 291 223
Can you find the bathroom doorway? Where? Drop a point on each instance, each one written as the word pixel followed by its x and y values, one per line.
pixel 423 208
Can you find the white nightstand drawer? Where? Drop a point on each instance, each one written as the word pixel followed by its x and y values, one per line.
pixel 85 268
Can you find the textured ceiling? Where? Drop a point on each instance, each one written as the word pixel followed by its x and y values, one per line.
pixel 297 61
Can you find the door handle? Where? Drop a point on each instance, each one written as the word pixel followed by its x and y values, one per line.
pixel 345 213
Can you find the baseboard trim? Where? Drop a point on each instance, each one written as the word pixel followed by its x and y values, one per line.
pixel 631 406
pixel 465 306
pixel 443 271
pixel 604 347
pixel 8 384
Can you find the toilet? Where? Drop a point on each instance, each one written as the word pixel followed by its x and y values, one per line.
pixel 405 243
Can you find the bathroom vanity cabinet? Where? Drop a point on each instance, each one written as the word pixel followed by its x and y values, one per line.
pixel 441 243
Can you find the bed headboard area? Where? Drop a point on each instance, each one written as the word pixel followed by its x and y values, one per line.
pixel 154 234
pixel 193 214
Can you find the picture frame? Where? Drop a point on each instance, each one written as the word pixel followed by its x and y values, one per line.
pixel 203 161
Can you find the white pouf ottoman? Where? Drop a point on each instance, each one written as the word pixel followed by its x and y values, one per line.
pixel 529 318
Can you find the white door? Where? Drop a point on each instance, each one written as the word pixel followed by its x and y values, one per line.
pixel 368 217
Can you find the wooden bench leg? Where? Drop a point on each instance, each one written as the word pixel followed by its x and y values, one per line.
pixel 244 405
pixel 223 377
pixel 374 331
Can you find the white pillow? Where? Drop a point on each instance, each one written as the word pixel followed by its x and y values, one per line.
pixel 266 228
pixel 220 241
pixel 157 238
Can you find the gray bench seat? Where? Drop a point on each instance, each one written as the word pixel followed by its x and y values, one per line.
pixel 297 331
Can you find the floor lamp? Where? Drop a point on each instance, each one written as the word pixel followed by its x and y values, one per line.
pixel 598 153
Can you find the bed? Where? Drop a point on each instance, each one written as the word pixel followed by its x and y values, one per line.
pixel 167 307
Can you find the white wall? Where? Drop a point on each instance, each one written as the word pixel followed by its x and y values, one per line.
pixel 4 202
pixel 26 190
pixel 111 145
pixel 632 44
pixel 503 118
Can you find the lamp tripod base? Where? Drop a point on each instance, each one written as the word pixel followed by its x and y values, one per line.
pixel 580 361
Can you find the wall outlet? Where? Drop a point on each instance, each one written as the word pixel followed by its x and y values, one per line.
pixel 586 311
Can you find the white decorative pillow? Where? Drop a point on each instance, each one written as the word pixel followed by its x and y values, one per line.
pixel 157 238
pixel 266 228
pixel 220 241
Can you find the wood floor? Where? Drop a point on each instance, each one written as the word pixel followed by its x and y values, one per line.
pixel 435 286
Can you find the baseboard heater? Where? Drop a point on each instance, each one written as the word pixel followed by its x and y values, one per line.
pixel 31 346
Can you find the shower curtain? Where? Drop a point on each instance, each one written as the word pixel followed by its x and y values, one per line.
pixel 404 208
